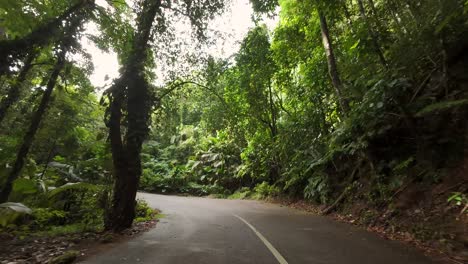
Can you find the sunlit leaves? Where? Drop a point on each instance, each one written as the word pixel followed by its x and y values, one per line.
pixel 19 17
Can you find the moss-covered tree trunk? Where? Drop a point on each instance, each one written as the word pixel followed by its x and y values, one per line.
pixel 130 92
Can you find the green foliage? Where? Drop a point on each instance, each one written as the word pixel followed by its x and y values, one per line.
pixel 11 213
pixel 189 164
pixel 441 106
pixel 144 212
pixel 265 122
pixel 45 217
pixel 69 208
pixel 82 202
pixel 269 121
pixel 242 193
pixel 460 200
pixel 68 188
pixel 25 186
pixel 402 166
pixel 60 230
pixel 317 189
pixel 264 6
pixel 266 190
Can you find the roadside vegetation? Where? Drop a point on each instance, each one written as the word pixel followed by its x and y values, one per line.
pixel 372 126
pixel 357 107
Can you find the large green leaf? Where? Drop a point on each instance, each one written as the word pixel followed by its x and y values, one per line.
pixel 17 207
pixel 10 212
pixel 441 106
pixel 82 186
pixel 25 186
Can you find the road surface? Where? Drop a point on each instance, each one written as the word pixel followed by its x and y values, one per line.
pixel 202 230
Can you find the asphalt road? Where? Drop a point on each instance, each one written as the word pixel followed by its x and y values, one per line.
pixel 202 230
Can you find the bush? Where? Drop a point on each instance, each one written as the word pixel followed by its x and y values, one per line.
pixel 318 188
pixel 43 217
pixel 264 190
pixel 80 201
pixel 143 212
pixel 241 193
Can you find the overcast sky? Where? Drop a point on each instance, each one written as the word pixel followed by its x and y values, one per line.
pixel 236 22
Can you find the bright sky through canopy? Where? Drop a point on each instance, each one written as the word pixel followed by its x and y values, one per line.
pixel 235 23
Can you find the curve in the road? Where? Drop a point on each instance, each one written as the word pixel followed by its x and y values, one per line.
pixel 202 230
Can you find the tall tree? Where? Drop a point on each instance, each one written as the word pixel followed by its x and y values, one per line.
pixel 131 101
pixel 68 41
pixel 257 68
pixel 132 86
pixel 331 61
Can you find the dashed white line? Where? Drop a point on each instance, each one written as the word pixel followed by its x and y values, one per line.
pixel 272 249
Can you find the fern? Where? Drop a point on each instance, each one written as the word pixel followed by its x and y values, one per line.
pixel 79 186
pixel 441 106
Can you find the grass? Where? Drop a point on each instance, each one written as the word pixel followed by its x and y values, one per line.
pixel 217 196
pixel 52 231
pixel 159 216
pixel 246 194
pixel 68 229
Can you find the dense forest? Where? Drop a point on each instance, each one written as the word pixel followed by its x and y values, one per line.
pixel 355 106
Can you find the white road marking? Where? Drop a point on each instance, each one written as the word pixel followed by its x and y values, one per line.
pixel 273 250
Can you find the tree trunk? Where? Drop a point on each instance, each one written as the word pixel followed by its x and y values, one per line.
pixel 372 34
pixel 35 122
pixel 332 67
pixel 273 113
pixel 122 210
pixel 126 154
pixel 11 50
pixel 14 91
pixel 275 166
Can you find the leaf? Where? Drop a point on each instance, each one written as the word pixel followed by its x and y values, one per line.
pixel 214 157
pixel 441 106
pixel 354 46
pixel 445 22
pixel 73 186
pixel 25 186
pixel 65 170
pixel 454 196
pixel 218 164
pixel 10 212
pixel 17 207
pixel 195 165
